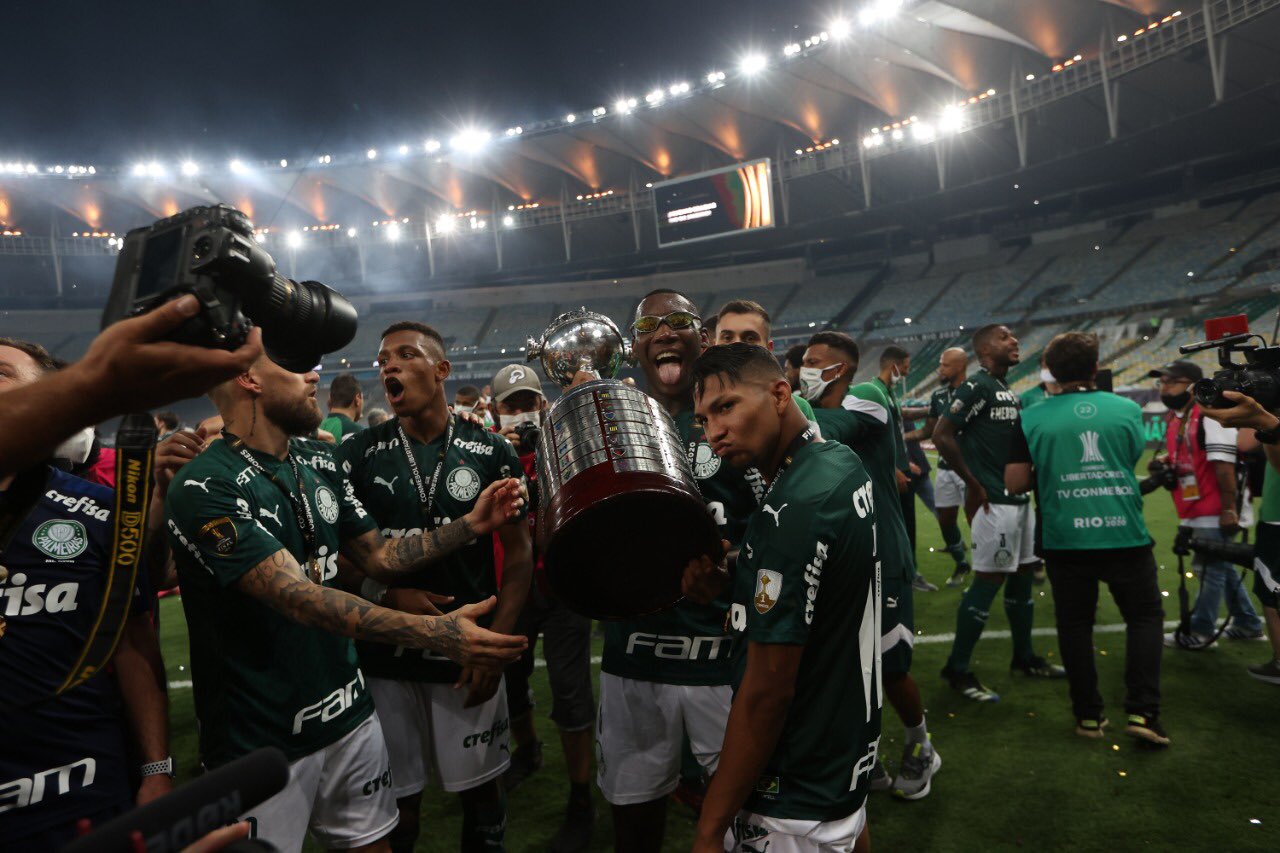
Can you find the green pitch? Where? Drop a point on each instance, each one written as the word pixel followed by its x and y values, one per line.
pixel 1014 775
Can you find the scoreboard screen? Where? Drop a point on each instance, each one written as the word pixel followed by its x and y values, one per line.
pixel 732 200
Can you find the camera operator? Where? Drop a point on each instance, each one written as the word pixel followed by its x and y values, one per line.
pixel 130 367
pixel 66 758
pixel 1201 470
pixel 522 407
pixel 1247 413
pixel 256 522
pixel 1077 448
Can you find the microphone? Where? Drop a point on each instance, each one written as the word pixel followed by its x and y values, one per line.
pixel 192 811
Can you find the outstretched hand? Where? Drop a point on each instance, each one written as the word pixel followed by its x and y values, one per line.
pixel 467 644
pixel 500 502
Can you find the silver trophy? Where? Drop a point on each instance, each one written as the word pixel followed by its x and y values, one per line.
pixel 580 340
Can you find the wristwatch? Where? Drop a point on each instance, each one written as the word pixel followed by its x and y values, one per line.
pixel 160 768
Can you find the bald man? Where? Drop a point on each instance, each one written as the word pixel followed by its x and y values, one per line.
pixel 948 487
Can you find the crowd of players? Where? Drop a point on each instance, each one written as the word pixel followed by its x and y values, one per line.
pixel 367 598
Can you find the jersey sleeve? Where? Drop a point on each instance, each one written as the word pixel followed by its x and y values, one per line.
pixel 1019 449
pixel 938 404
pixel 216 528
pixel 1219 441
pixel 966 403
pixel 786 585
pixel 846 426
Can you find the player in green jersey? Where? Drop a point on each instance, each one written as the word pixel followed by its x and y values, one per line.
pixel 974 437
pixel 801 742
pixel 256 523
pixel 346 405
pixel 415 472
pixel 666 676
pixel 749 322
pixel 861 419
pixel 948 488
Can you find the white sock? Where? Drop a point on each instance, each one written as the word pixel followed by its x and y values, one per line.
pixel 917 734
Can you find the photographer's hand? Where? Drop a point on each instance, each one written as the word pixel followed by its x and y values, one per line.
pixel 1247 412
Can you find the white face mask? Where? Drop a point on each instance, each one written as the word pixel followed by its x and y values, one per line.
pixel 1046 377
pixel 812 385
pixel 516 420
pixel 76 448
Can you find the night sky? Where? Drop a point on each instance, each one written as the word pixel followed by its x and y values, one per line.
pixel 116 82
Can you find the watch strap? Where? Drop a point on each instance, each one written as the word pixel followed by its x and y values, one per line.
pixel 159 768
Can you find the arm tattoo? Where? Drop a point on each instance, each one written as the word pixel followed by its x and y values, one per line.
pixel 414 552
pixel 278 582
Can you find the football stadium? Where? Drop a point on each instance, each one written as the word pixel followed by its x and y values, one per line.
pixel 995 221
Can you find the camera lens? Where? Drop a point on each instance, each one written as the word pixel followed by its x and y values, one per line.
pixel 301 321
pixel 1208 392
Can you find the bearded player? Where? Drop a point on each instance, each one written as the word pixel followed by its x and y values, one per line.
pixel 650 698
pixel 974 438
pixel 863 421
pixel 415 472
pixel 805 725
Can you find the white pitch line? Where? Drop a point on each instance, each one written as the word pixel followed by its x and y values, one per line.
pixel 926 638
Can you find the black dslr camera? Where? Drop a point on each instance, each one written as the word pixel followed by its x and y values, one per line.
pixel 1258 377
pixel 527 438
pixel 211 252
pixel 1187 543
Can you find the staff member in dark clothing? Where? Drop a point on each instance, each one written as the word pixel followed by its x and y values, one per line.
pixel 1079 449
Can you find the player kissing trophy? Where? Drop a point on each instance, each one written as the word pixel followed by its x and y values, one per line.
pixel 620 515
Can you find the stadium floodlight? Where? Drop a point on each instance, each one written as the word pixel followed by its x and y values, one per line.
pixel 599 111
pixel 952 121
pixel 431 146
pixel 403 150
pixel 839 29
pixel 446 224
pixel 392 231
pixel 509 221
pixel 923 132
pixel 155 170
pixel 655 97
pixel 715 77
pixel 752 64
pixel 791 49
pixel 58 170
pixel 139 170
pixel 907 320
pixel 190 168
pixel 622 105
pixel 469 140
pixel 31 169
pixel 351 232
pixel 372 153
pixel 877 11
pixel 897 135
pixel 293 240
pixel 570 118
pixel 238 168
pixel 284 164
pixel 678 89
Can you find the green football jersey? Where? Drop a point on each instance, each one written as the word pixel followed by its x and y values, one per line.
pixel 864 426
pixel 687 643
pixel 939 403
pixel 380 474
pixel 1085 447
pixel 341 427
pixel 985 413
pixel 262 679
pixel 808 574
pixel 805 407
pixel 1032 396
pixel 1269 510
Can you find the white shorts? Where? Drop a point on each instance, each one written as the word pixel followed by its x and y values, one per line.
pixel 753 832
pixel 638 735
pixel 948 489
pixel 430 733
pixel 1003 538
pixel 342 793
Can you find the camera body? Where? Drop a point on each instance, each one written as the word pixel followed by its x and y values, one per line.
pixel 527 438
pixel 1258 377
pixel 211 253
pixel 1186 543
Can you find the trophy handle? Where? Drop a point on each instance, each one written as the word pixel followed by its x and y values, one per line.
pixel 628 355
pixel 533 350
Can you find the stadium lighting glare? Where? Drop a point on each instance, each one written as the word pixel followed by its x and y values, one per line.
pixel 791 50
pixel 1030 77
pixel 1122 38
pixel 715 77
pixel 839 29
pixel 284 164
pixel 351 232
pixel 431 146
pixel 655 97
pixel 952 121
pixel 190 168
pixel 907 320
pixel 139 170
pixel 678 89
pixel 509 221
pixel 325 159
pixel 752 64
pixel 923 132
pixel 155 170
pixel 393 232
pixel 446 224
pixel 293 240
pixel 897 135
pixel 372 153
pixel 880 10
pixel 598 111
pixel 623 105
pixel 570 118
pixel 238 167
pixel 470 140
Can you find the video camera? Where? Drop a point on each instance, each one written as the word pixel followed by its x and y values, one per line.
pixel 211 252
pixel 1258 377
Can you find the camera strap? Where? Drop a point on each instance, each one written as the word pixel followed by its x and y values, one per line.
pixel 1182 635
pixel 426 492
pixel 301 508
pixel 135 456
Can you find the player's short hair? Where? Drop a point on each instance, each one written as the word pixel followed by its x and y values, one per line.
pixel 169 419
pixel 344 390
pixel 841 342
pixel 747 306
pixel 422 329
pixel 665 291
pixel 467 391
pixel 985 334
pixel 893 354
pixel 45 362
pixel 733 363
pixel 795 355
pixel 1072 356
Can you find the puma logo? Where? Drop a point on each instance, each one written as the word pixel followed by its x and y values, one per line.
pixel 204 484
pixel 391 487
pixel 775 513
pixel 274 516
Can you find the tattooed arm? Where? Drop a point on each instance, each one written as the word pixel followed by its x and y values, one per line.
pixel 385 560
pixel 279 583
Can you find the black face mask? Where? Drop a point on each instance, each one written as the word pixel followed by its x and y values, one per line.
pixel 1176 402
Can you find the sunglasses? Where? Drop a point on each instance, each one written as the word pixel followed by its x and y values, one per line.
pixel 677 321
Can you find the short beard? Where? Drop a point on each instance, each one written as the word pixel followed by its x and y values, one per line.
pixel 296 418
